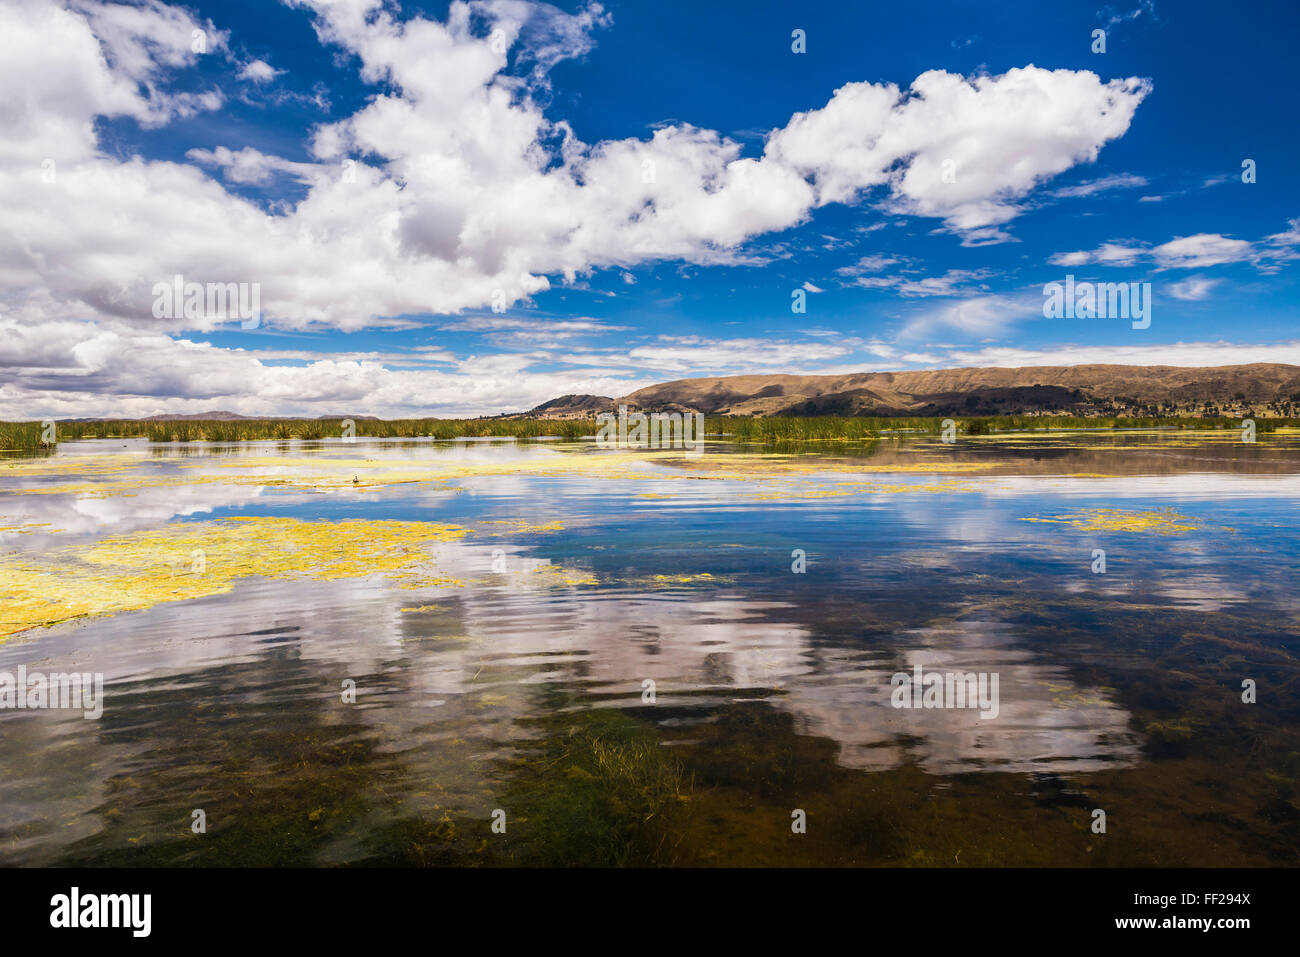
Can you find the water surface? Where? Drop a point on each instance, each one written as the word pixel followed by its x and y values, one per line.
pixel 503 668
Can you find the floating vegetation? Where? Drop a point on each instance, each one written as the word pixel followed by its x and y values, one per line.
pixel 547 574
pixel 524 690
pixel 118 474
pixel 27 528
pixel 1163 521
pixel 180 562
pixel 705 577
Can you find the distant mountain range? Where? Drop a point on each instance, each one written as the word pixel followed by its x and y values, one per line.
pixel 1065 390
pixel 1261 387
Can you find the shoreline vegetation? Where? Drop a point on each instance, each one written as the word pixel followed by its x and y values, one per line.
pixel 27 436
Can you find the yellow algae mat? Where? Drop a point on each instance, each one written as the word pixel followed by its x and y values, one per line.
pixel 100 476
pixel 193 560
pixel 1164 521
pixel 184 561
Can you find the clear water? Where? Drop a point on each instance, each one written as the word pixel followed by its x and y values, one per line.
pixel 522 694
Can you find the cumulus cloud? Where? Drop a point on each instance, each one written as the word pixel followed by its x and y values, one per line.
pixel 1203 249
pixel 450 190
pixel 258 71
pixel 75 369
pixel 468 193
pixel 61 68
pixel 956 148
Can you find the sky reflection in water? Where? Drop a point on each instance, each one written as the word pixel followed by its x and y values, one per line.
pixel 231 702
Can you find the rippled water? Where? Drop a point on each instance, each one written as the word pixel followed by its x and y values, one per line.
pixel 515 684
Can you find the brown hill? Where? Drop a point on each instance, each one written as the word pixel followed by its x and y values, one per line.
pixel 572 407
pixel 1082 390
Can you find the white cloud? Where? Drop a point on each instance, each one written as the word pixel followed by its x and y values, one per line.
pixel 1193 289
pixel 731 356
pixel 1279 248
pixel 465 197
pixel 251 166
pixel 62 68
pixel 469 194
pixel 74 369
pixel 1203 249
pixel 1183 252
pixel 977 316
pixel 952 283
pixel 1108 254
pixel 1115 17
pixel 496 323
pixel 258 71
pixel 873 263
pixel 1166 354
pixel 955 148
pixel 1104 184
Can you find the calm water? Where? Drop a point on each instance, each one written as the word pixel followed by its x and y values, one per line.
pixel 517 683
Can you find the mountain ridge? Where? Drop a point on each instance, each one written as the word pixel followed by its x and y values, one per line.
pixel 1091 389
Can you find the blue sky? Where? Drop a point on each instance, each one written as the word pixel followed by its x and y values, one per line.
pixel 633 187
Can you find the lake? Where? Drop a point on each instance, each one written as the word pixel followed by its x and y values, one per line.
pixel 493 653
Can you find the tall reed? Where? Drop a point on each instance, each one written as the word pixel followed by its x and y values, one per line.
pixel 26 436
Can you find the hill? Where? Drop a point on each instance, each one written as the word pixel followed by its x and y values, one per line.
pixel 1063 390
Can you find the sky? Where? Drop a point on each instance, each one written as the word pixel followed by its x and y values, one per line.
pixel 471 208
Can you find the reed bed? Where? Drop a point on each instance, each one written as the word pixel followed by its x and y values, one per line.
pixel 16 436
pixel 26 436
pixel 246 430
pixel 783 429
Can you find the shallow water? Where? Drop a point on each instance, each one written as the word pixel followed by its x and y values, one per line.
pixel 501 668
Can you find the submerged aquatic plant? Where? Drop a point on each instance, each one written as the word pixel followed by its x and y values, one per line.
pixel 600 789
